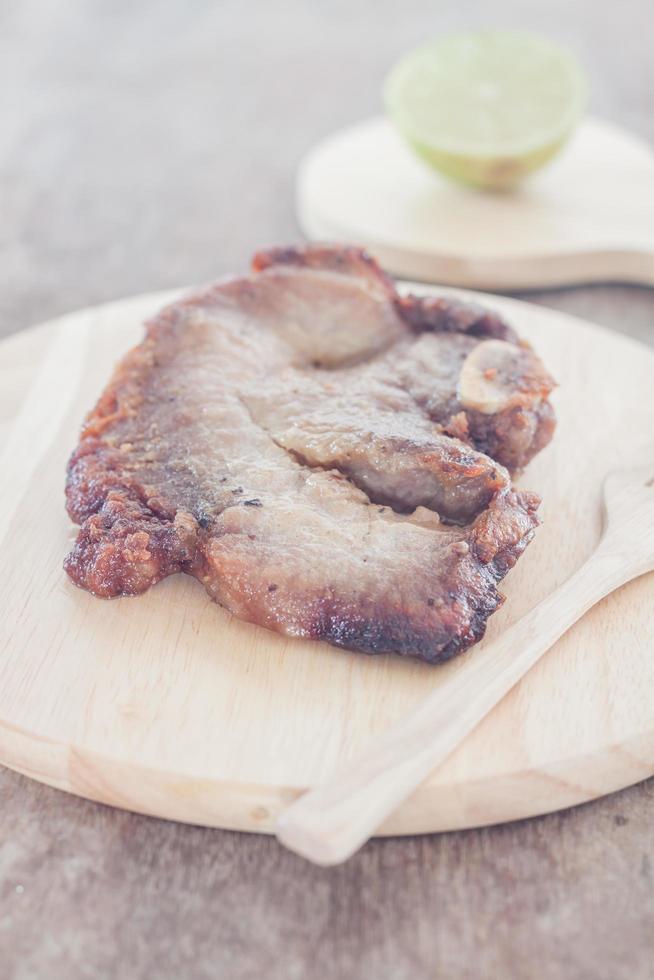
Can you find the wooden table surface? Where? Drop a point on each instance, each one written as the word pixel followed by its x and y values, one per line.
pixel 146 145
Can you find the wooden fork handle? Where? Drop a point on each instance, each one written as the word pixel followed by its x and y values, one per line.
pixel 329 823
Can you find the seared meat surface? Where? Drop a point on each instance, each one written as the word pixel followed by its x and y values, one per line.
pixel 331 460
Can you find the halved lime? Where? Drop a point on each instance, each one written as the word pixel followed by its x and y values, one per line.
pixel 486 108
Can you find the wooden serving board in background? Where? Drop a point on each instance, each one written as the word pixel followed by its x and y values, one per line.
pixel 167 705
pixel 586 217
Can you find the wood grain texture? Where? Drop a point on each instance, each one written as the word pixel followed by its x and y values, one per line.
pixel 586 217
pixel 145 145
pixel 167 705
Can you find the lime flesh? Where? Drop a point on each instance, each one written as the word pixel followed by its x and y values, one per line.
pixel 487 108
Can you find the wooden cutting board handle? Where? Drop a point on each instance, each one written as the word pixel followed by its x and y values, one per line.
pixel 586 217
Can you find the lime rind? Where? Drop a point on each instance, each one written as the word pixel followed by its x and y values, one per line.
pixel 487 108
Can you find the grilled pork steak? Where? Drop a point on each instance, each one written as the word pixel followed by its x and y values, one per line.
pixel 330 460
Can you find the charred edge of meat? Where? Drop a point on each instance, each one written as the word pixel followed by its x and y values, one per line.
pixel 124 548
pixel 393 632
pixel 513 437
pixel 444 315
pixel 348 261
pixel 450 624
pixel 94 471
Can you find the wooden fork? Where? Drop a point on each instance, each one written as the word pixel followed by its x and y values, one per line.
pixel 329 823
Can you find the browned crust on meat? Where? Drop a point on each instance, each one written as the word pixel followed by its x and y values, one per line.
pixel 342 260
pixel 445 314
pixel 124 549
pixel 513 437
pixel 446 624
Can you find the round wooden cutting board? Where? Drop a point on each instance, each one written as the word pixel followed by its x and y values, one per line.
pixel 166 705
pixel 588 216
